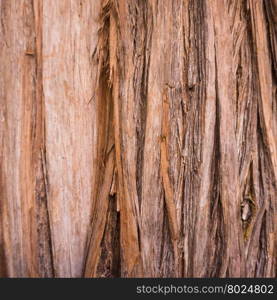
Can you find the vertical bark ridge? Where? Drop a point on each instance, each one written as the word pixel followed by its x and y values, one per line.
pixel 267 103
pixel 30 242
pixel 69 80
pixel 202 225
pixel 266 138
pixel 104 176
pixel 233 265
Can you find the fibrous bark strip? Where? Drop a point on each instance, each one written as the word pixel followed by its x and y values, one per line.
pixel 138 138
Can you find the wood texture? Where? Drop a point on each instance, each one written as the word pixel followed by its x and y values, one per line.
pixel 138 138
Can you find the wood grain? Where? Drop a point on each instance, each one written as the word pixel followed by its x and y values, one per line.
pixel 138 138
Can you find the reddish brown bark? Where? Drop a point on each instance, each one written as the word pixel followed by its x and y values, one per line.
pixel 138 138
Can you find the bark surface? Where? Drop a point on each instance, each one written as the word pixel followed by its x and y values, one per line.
pixel 138 138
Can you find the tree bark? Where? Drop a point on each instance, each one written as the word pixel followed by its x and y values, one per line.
pixel 138 138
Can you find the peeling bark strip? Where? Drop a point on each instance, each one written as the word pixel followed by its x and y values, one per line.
pixel 138 138
pixel 169 200
pixel 26 240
